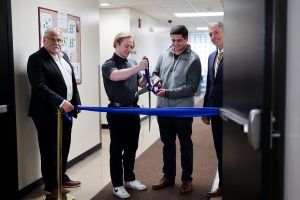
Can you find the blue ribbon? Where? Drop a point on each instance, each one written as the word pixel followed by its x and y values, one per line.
pixel 68 117
pixel 167 112
pixel 147 74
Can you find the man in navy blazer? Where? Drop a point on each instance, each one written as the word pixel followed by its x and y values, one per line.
pixel 53 86
pixel 214 94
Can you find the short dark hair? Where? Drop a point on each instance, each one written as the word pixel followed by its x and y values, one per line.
pixel 180 30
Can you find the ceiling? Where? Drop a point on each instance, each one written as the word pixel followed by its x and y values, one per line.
pixel 163 10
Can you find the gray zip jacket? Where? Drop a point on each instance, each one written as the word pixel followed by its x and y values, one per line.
pixel 180 78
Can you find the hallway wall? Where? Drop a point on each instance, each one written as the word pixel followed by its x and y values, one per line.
pixel 25 42
pixel 151 39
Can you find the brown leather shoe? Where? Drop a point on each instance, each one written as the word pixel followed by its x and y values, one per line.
pixel 216 193
pixel 54 192
pixel 186 187
pixel 163 184
pixel 71 184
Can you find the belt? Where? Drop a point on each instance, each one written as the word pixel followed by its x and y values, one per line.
pixel 116 104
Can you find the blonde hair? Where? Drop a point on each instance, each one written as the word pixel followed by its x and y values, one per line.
pixel 121 36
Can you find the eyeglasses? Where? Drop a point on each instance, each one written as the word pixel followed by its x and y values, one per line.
pixel 58 40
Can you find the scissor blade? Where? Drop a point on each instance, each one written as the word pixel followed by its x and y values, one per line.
pixel 149 99
pixel 141 91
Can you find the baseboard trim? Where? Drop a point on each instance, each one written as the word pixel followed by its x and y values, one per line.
pixel 104 126
pixel 84 155
pixel 39 182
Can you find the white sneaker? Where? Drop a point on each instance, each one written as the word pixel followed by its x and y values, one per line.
pixel 121 192
pixel 135 185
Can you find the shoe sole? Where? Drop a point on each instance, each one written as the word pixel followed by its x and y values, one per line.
pixel 212 196
pixel 185 192
pixel 129 187
pixel 122 197
pixel 160 188
pixel 74 186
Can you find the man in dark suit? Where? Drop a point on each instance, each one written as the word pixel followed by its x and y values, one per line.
pixel 53 86
pixel 214 94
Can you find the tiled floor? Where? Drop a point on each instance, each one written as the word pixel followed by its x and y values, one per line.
pixel 93 172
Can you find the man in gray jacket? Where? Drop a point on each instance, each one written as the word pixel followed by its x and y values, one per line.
pixel 179 72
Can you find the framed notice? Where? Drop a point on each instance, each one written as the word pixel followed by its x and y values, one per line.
pixel 70 26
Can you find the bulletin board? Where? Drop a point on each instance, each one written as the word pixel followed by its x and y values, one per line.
pixel 70 26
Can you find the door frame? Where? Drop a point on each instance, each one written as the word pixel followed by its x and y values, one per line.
pixel 7 97
pixel 278 33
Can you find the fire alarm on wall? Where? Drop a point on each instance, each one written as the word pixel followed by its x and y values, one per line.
pixel 139 22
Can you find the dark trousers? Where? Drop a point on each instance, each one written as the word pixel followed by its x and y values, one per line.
pixel 169 127
pixel 217 129
pixel 124 137
pixel 47 138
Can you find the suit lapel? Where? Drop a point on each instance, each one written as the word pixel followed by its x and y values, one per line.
pixel 67 59
pixel 211 65
pixel 53 64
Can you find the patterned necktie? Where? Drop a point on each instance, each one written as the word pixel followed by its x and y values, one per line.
pixel 219 58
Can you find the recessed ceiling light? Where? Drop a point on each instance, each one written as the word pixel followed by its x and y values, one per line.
pixel 199 14
pixel 104 4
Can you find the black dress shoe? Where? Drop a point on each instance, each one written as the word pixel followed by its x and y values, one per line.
pixel 216 193
pixel 163 184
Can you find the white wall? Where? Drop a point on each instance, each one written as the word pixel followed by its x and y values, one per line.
pixel 112 21
pixel 25 42
pixel 151 39
pixel 292 125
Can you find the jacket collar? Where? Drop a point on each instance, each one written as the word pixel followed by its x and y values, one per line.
pixel 187 50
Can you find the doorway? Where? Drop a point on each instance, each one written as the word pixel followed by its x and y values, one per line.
pixel 7 104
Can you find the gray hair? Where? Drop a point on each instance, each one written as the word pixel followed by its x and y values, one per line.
pixel 51 30
pixel 218 24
